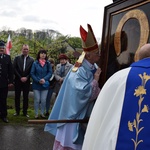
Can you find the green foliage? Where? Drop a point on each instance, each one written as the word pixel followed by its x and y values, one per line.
pixel 50 40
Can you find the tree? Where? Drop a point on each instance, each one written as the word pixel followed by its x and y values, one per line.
pixel 50 40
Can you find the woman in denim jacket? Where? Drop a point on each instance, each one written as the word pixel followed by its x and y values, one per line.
pixel 41 72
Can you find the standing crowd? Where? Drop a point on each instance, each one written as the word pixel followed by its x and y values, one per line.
pixel 23 72
pixel 115 117
pixel 76 88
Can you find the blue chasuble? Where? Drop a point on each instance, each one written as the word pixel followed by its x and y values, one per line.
pixel 134 130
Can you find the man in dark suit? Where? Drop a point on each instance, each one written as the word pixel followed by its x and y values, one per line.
pixel 22 66
pixel 6 80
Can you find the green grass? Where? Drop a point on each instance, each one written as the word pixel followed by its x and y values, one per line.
pixel 20 120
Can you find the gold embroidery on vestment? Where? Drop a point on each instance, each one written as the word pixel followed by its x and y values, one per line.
pixel 140 91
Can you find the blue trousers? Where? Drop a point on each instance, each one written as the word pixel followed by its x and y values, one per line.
pixel 40 101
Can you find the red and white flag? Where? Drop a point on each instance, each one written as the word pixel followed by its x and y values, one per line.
pixel 8 45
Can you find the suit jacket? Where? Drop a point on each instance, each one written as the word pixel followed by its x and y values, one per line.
pixel 6 70
pixel 18 67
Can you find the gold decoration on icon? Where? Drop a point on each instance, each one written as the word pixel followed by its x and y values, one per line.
pixel 144 30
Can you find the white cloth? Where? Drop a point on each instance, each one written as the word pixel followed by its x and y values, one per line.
pixel 102 130
pixel 65 138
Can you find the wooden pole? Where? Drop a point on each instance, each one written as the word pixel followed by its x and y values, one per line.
pixel 58 121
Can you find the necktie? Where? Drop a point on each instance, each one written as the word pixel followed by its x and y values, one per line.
pixel 24 65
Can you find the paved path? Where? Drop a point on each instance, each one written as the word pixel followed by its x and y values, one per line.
pixel 25 137
pixel 28 137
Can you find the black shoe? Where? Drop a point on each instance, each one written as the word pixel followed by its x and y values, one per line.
pixel 47 114
pixel 5 120
pixel 26 115
pixel 16 114
pixel 42 116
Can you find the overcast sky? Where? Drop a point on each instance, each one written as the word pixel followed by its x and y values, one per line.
pixel 64 16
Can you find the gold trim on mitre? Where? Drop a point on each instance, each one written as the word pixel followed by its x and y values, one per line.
pixel 89 44
pixel 79 62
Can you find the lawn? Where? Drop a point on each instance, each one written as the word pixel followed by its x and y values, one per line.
pixel 22 120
